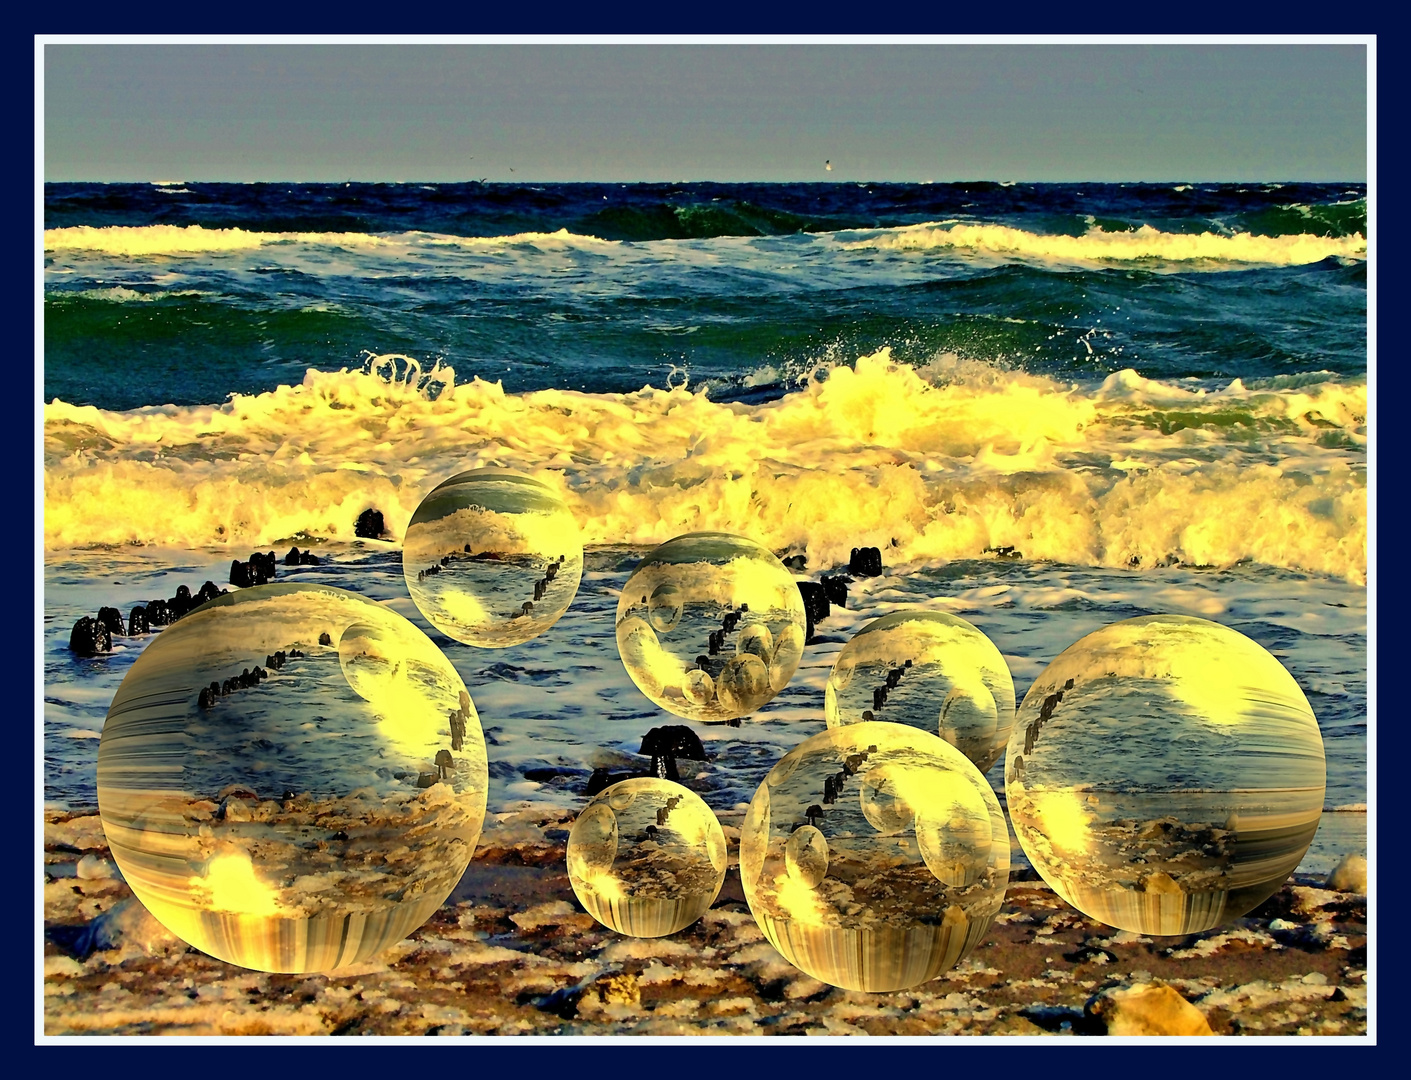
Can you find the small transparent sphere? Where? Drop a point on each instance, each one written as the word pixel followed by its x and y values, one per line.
pixel 492 558
pixel 928 670
pixel 874 856
pixel 292 778
pixel 646 857
pixel 1165 775
pixel 711 626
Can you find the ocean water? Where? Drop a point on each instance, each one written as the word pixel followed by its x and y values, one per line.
pixel 1050 407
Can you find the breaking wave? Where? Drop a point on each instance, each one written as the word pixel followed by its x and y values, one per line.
pixel 933 464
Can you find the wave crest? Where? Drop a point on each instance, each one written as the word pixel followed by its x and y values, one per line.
pixel 145 240
pixel 1097 247
pixel 938 463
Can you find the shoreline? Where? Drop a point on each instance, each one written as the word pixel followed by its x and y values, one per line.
pixel 512 952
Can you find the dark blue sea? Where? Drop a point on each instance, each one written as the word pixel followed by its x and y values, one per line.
pixel 607 288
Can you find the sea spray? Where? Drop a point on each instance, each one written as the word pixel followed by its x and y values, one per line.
pixel 933 464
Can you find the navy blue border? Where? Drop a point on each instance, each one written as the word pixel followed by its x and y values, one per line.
pixel 17 72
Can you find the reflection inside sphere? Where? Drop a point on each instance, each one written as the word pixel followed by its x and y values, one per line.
pixel 874 856
pixel 292 778
pixel 710 626
pixel 929 670
pixel 1165 775
pixel 492 558
pixel 646 857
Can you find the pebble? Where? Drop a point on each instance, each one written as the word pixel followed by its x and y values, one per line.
pixel 619 989
pixel 235 809
pixel 1147 1009
pixel 92 868
pixel 1350 875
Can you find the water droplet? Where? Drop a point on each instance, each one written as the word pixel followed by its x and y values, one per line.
pixel 1145 746
pixel 715 596
pixel 492 557
pixel 646 857
pixel 849 897
pixel 318 810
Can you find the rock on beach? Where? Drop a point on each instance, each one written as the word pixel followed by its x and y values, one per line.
pixel 1147 1009
pixel 1350 875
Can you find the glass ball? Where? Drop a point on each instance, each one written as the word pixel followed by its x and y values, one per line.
pixel 928 670
pixel 292 777
pixel 1165 775
pixel 646 857
pixel 711 626
pixel 492 558
pixel 874 856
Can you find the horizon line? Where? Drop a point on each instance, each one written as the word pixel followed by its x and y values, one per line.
pixel 486 181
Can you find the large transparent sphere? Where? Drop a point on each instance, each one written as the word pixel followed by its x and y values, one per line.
pixel 1165 775
pixel 711 626
pixel 646 857
pixel 492 558
pixel 874 856
pixel 928 670
pixel 292 778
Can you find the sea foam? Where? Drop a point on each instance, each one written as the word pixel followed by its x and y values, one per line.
pixel 1097 247
pixel 154 240
pixel 1150 247
pixel 930 464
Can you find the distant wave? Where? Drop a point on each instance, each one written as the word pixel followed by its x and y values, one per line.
pixel 939 463
pixel 1097 247
pixel 142 240
pixel 121 294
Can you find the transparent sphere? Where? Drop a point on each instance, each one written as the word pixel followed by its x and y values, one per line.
pixel 1165 775
pixel 928 670
pixel 646 857
pixel 292 778
pixel 874 856
pixel 711 626
pixel 492 558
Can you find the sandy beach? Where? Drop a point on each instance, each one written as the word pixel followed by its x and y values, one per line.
pixel 512 952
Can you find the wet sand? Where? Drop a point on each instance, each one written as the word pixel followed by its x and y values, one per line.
pixel 512 952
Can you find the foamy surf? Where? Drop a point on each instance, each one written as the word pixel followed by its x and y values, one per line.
pixel 1148 246
pixel 935 464
pixel 137 241
pixel 1097 247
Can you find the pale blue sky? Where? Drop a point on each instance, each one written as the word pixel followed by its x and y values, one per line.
pixel 901 112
